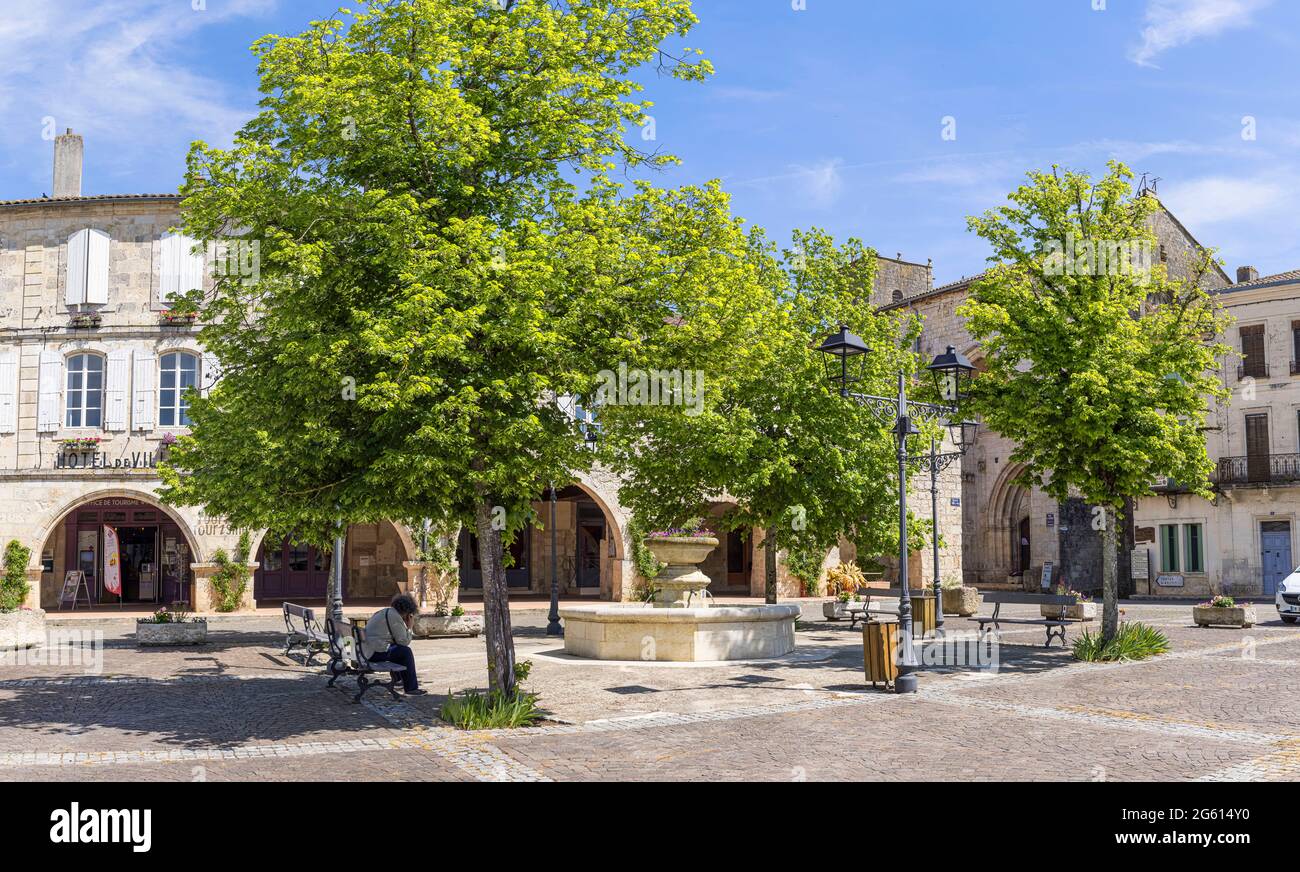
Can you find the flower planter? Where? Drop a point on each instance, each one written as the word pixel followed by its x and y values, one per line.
pixel 430 626
pixel 1077 612
pixel 24 628
pixel 963 601
pixel 151 635
pixel 834 610
pixel 1232 616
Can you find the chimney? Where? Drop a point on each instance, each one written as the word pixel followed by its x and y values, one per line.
pixel 68 154
pixel 1246 274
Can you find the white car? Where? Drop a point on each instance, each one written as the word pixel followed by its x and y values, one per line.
pixel 1288 598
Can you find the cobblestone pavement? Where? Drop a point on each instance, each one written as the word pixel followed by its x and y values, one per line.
pixel 1225 705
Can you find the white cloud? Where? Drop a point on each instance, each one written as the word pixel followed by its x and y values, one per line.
pixel 117 72
pixel 1216 200
pixel 1171 23
pixel 821 182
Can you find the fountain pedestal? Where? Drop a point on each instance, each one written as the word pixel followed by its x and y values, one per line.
pixel 677 626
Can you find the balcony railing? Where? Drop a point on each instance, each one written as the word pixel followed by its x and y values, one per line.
pixel 1259 469
pixel 1253 370
pixel 1295 367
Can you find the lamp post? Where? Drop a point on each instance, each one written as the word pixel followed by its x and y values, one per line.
pixel 963 436
pixel 846 362
pixel 590 439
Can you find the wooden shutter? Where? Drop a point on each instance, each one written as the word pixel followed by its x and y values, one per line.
pixel 87 273
pixel 143 396
pixel 115 388
pixel 1257 448
pixel 1252 349
pixel 209 373
pixel 9 392
pixel 75 279
pixel 50 392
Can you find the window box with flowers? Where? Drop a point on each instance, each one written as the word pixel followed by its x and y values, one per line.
pixel 1083 608
pixel 81 443
pixel 1223 611
pixel 85 320
pixel 182 319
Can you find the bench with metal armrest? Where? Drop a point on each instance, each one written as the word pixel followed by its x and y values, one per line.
pixel 1055 627
pixel 348 657
pixel 303 630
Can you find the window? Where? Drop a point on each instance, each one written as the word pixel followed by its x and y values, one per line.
pixel 180 371
pixel 1168 547
pixel 85 406
pixel 1193 548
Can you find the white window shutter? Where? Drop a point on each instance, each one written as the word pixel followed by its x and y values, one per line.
pixel 97 267
pixel 144 397
pixel 75 282
pixel 8 392
pixel 182 268
pixel 48 404
pixel 210 373
pixel 116 384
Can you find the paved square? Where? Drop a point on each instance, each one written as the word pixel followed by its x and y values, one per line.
pixel 1225 705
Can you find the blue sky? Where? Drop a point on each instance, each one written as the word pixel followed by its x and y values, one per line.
pixel 830 115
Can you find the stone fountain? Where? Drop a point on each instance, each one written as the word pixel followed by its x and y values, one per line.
pixel 679 625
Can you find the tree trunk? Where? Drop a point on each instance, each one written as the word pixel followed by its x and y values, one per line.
pixel 1109 577
pixel 496 603
pixel 769 565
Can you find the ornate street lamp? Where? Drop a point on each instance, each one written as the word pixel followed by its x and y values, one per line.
pixel 962 434
pixel 846 363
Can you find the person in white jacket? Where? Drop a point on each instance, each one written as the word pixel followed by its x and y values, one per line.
pixel 388 638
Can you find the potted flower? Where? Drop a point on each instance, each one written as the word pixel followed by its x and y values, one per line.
pixel 842 584
pixel 87 319
pixel 958 599
pixel 1082 609
pixel 20 626
pixel 171 625
pixel 681 550
pixel 1223 611
pixel 171 317
pixel 81 443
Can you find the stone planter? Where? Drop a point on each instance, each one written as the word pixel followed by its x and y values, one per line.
pixel 1076 612
pixel 151 635
pixel 834 610
pixel 430 626
pixel 963 601
pixel 24 628
pixel 1234 616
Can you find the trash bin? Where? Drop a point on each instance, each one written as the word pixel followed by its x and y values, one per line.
pixel 879 650
pixel 923 614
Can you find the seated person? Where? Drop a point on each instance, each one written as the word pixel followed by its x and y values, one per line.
pixel 388 639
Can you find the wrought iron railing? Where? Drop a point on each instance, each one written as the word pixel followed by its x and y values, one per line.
pixel 1252 370
pixel 1258 469
pixel 1295 367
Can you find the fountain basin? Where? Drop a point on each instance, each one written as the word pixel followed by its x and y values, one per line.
pixel 641 632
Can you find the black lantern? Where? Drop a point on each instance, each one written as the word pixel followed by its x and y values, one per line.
pixel 952 374
pixel 962 434
pixel 846 358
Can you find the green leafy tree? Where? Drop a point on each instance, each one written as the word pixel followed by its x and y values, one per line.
pixel 442 255
pixel 1098 368
pixel 771 434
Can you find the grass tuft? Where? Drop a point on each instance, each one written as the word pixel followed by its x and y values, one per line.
pixel 477 711
pixel 1132 641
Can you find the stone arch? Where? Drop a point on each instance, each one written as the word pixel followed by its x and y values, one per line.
pixel 60 515
pixel 1008 505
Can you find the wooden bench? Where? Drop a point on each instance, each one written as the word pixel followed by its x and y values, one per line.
pixel 302 630
pixel 1055 627
pixel 863 610
pixel 347 657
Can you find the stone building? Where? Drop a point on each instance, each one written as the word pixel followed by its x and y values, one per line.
pixel 1243 541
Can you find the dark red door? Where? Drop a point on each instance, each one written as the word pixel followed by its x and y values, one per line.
pixel 289 570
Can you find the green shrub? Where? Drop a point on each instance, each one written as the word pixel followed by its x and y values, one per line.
pixel 14 587
pixel 231 578
pixel 805 564
pixel 1132 641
